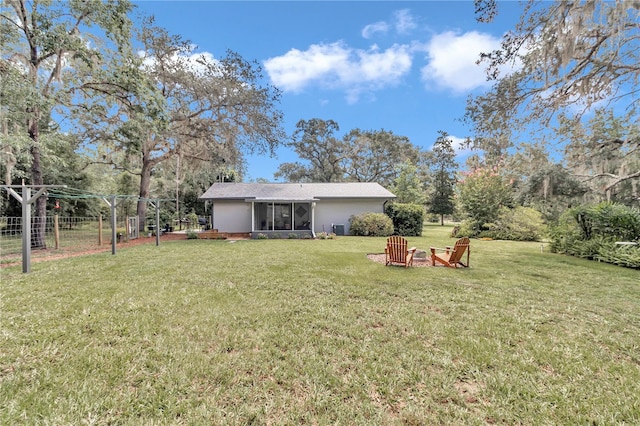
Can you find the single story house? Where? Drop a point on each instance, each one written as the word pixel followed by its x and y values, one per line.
pixel 283 208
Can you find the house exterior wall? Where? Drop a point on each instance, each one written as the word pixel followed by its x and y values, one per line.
pixel 232 216
pixel 338 212
pixel 235 216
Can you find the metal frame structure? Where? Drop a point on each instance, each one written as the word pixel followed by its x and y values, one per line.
pixel 26 199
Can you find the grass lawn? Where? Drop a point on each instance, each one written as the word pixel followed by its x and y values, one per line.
pixel 312 332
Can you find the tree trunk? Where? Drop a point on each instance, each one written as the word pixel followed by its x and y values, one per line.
pixel 145 183
pixel 39 220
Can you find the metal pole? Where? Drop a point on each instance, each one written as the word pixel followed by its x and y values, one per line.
pixel 26 200
pixel 113 224
pixel 26 229
pixel 157 223
pixel 100 230
pixel 56 231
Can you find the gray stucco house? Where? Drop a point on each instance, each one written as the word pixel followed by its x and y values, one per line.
pixel 283 208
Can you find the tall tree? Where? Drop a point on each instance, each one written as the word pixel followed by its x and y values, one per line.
pixel 360 156
pixel 573 54
pixel 53 50
pixel 191 109
pixel 605 154
pixel 375 156
pixel 541 183
pixel 408 187
pixel 314 141
pixel 481 194
pixel 551 189
pixel 218 109
pixel 566 57
pixel 444 166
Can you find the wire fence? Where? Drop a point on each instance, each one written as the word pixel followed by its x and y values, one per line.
pixel 61 235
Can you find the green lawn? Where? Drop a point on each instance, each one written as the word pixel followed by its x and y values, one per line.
pixel 312 332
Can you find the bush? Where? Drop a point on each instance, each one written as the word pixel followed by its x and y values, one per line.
pixel 628 256
pixel 518 224
pixel 592 231
pixel 433 218
pixel 610 220
pixel 192 235
pixel 371 224
pixel 326 236
pixel 192 221
pixel 564 234
pixel 408 219
pixel 465 229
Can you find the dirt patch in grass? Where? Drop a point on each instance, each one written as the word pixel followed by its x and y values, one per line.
pixel 53 254
pixel 468 390
pixel 380 258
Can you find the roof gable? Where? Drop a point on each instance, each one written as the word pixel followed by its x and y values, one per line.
pixel 295 191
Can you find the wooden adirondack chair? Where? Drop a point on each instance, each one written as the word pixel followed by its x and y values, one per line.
pixel 396 251
pixel 452 255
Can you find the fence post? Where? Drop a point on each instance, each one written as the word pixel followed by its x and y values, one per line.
pixel 56 231
pixel 100 230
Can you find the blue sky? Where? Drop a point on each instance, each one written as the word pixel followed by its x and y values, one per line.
pixel 403 66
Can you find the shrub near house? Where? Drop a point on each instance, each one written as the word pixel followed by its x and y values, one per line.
pixel 407 219
pixel 371 224
pixel 399 218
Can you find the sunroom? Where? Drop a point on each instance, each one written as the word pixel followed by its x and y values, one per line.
pixel 279 216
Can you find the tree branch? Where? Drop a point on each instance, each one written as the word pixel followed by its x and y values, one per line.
pixel 617 179
pixel 622 179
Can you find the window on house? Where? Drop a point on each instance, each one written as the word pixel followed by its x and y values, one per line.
pixel 301 216
pixel 263 216
pixel 281 216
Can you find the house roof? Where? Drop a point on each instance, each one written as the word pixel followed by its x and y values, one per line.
pixel 295 191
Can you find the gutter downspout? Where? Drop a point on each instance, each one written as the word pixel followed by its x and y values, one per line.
pixel 253 216
pixel 313 219
pixel 213 226
pixel 384 206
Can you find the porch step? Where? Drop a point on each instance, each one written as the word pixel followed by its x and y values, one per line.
pixel 212 235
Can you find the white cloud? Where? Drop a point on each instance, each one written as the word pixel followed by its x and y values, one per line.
pixel 337 66
pixel 371 29
pixel 404 21
pixel 194 61
pixel 458 145
pixel 450 56
pixel 452 60
pixel 386 67
pixel 296 69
